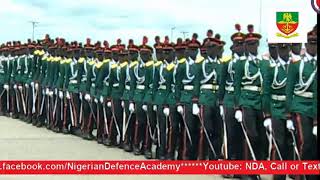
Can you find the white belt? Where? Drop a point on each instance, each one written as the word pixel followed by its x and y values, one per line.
pixel 305 94
pixel 127 87
pixel 188 87
pixel 252 88
pixel 106 83
pixel 278 97
pixel 141 87
pixel 93 85
pixel 229 88
pixel 115 85
pixel 73 82
pixel 163 87
pixel 209 86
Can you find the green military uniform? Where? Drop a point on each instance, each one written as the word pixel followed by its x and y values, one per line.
pixel 141 88
pixel 103 84
pixel 207 81
pixel 4 85
pixel 127 97
pixel 248 97
pixel 117 85
pixel 72 82
pixel 300 102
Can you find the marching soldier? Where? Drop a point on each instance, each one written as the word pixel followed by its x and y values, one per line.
pixel 248 99
pixel 4 81
pixel 96 86
pixel 148 108
pixel 165 101
pixel 117 82
pixel 142 79
pixel 300 93
pixel 234 138
pixel 207 98
pixel 176 130
pixel 28 73
pixel 72 112
pixel 128 95
pixel 114 93
pixel 58 109
pixel 87 109
pixel 35 85
pixel 185 77
pixel 104 77
pixel 274 90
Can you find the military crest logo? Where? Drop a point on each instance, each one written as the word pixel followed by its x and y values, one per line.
pixel 287 23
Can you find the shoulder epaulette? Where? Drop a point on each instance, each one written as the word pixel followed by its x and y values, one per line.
pixel 91 62
pixel 69 60
pixel 114 66
pixel 149 63
pixel 63 61
pixel 57 59
pixel 106 60
pixel 158 63
pixel 45 58
pixel 81 60
pixel 50 59
pixel 36 52
pixel 123 64
pixel 133 64
pixel 182 60
pixel 199 59
pixel 99 64
pixel 170 66
pixel 41 53
pixel 225 59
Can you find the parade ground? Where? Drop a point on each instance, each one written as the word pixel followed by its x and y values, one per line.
pixel 21 141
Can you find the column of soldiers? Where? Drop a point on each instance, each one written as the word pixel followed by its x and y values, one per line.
pixel 189 105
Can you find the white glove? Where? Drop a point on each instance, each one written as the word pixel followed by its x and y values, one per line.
pixel 195 109
pixel 109 104
pixel 122 104
pixel 166 111
pixel 26 85
pixel 55 91
pixel 50 93
pixel 267 123
pixel 238 115
pixel 36 86
pixel 20 87
pixel 87 97
pixel 101 99
pixel 154 107
pixel 96 100
pixel 68 95
pixel 131 107
pixel 6 87
pixel 144 107
pixel 60 94
pixel 290 125
pixel 314 130
pixel 15 86
pixel 47 91
pixel 180 109
pixel 32 83
pixel 80 96
pixel 221 111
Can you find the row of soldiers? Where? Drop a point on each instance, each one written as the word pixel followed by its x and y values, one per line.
pixel 189 106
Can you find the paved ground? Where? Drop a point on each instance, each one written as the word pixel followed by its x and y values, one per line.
pixel 21 141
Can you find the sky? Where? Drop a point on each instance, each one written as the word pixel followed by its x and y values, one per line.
pixel 125 19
